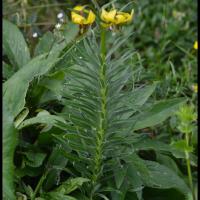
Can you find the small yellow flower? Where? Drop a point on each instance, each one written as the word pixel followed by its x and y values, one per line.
pixel 82 16
pixel 196 45
pixel 195 88
pixel 114 17
pixel 123 17
pixel 108 17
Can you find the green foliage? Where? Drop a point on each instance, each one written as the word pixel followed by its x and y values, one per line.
pixel 81 124
pixel 14 93
pixel 157 113
pixel 14 45
pixel 9 143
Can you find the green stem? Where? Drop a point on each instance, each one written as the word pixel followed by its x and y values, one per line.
pixel 102 122
pixel 43 177
pixel 103 45
pixel 187 156
pixel 36 24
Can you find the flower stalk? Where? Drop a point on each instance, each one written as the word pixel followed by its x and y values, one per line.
pixel 187 116
pixel 102 121
pixel 187 157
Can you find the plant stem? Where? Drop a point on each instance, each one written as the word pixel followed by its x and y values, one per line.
pixel 40 182
pixel 102 122
pixel 36 24
pixel 187 156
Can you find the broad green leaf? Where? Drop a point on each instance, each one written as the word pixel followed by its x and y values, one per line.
pixel 156 145
pixel 45 44
pixel 72 184
pixel 58 160
pixel 8 70
pixel 137 98
pixel 120 176
pixel 152 144
pixel 116 194
pixel 70 31
pixel 136 171
pixel 42 117
pixel 14 45
pixel 135 180
pixel 54 81
pixel 141 95
pixel 54 85
pixel 157 113
pixel 34 159
pixel 139 164
pixel 14 93
pixel 143 172
pixel 182 146
pixel 15 88
pixel 168 162
pixel 9 142
pixel 67 187
pixel 167 178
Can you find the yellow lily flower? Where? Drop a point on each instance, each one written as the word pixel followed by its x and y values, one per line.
pixel 196 45
pixel 123 17
pixel 106 25
pixel 114 17
pixel 108 17
pixel 78 16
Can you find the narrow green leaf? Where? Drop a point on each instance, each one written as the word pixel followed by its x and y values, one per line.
pixel 22 115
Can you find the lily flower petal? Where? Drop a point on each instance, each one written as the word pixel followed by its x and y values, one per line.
pixel 123 17
pixel 91 18
pixel 115 17
pixel 196 45
pixel 82 16
pixel 108 17
pixel 77 19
